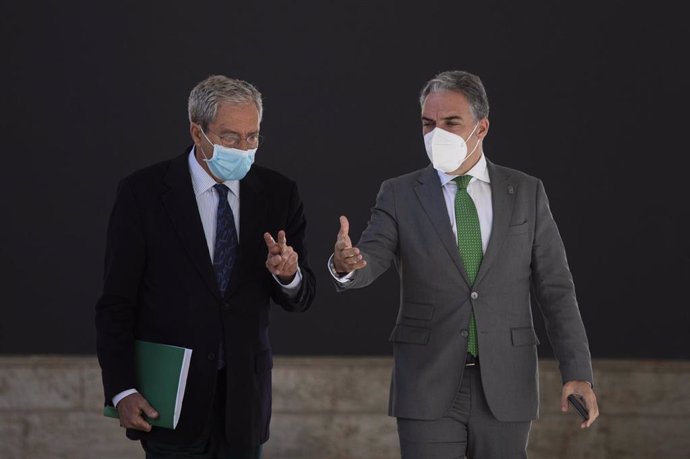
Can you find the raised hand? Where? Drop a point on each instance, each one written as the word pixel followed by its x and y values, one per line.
pixel 282 260
pixel 345 257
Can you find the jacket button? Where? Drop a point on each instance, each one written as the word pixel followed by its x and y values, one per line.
pixel 464 333
pixel 211 356
pixel 226 305
pixel 474 295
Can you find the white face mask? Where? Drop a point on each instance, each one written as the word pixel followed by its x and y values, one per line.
pixel 447 151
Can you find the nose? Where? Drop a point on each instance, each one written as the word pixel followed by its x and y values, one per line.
pixel 244 145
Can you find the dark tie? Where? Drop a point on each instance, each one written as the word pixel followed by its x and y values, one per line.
pixel 225 249
pixel 469 244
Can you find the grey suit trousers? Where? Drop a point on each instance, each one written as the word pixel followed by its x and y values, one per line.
pixel 469 429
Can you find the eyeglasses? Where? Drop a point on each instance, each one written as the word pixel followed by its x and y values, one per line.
pixel 234 140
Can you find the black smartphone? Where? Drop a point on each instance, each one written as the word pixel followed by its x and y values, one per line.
pixel 579 405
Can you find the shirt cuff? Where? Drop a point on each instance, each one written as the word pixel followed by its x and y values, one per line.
pixel 291 289
pixel 340 279
pixel 122 395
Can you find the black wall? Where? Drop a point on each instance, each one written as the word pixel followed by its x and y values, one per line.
pixel 591 98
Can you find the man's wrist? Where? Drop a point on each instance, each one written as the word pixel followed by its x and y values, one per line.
pixel 117 398
pixel 341 278
pixel 286 280
pixel 293 282
pixel 336 271
pixel 591 385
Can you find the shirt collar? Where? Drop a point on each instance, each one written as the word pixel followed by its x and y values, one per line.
pixel 479 171
pixel 202 181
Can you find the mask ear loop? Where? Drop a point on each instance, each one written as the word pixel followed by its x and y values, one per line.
pixel 202 147
pixel 475 146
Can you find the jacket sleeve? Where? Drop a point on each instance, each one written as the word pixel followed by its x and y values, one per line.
pixel 554 290
pixel 116 308
pixel 379 241
pixel 295 233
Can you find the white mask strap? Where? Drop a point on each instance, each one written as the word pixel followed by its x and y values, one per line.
pixel 476 145
pixel 474 129
pixel 202 147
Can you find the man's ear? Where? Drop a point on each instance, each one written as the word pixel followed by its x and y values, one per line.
pixel 195 133
pixel 483 128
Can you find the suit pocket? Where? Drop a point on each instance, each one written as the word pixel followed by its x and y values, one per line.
pixel 418 311
pixel 523 336
pixel 518 229
pixel 408 334
pixel 263 361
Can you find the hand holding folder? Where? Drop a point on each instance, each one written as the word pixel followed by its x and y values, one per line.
pixel 135 412
pixel 161 374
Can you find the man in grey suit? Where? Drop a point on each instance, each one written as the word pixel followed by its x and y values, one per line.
pixel 469 239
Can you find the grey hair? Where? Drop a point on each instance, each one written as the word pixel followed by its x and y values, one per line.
pixel 209 94
pixel 465 83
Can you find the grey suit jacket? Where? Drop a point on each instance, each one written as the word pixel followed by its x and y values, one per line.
pixel 410 227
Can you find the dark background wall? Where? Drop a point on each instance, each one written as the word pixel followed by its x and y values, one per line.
pixel 588 97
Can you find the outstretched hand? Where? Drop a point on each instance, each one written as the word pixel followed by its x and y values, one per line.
pixel 345 257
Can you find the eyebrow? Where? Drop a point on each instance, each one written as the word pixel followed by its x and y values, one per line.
pixel 230 131
pixel 447 118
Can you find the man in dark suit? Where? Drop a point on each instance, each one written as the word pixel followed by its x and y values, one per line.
pixel 192 261
pixel 469 239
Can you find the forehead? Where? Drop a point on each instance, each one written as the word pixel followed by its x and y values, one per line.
pixel 446 103
pixel 237 116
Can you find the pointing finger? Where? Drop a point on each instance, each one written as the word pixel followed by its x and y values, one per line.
pixel 270 242
pixel 282 240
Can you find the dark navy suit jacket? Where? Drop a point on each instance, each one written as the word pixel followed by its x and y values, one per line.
pixel 160 286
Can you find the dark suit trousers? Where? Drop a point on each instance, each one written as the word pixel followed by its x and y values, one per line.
pixel 469 429
pixel 213 445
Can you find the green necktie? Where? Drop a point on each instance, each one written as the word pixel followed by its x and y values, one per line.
pixel 469 244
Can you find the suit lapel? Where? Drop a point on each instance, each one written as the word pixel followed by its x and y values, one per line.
pixel 180 203
pixel 253 212
pixel 503 192
pixel 430 194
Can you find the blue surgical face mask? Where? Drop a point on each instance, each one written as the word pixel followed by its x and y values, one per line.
pixel 229 163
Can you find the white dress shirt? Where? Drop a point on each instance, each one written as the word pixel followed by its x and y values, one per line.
pixel 479 190
pixel 207 202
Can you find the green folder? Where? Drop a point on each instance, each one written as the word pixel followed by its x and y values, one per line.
pixel 161 372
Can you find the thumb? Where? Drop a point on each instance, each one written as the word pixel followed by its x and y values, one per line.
pixel 344 226
pixel 148 410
